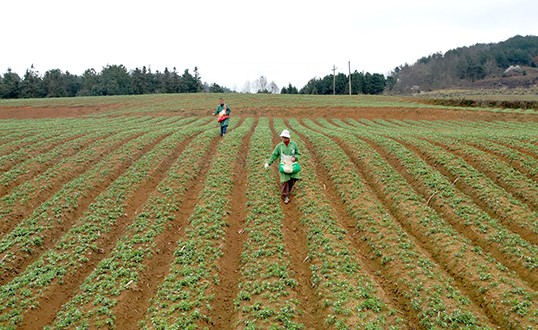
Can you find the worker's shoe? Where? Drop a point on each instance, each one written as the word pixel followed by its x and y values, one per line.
pixel 286 200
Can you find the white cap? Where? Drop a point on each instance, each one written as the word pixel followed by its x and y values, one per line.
pixel 285 133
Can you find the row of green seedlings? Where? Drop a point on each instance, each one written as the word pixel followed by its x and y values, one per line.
pixel 526 145
pixel 505 298
pixel 59 151
pixel 76 247
pixel 497 199
pixel 349 296
pixel 522 162
pixel 32 232
pixel 495 169
pixel 476 224
pixel 21 133
pixel 50 133
pixel 26 149
pixel 501 171
pixel 39 162
pixel 93 306
pixel 66 148
pixel 512 212
pixel 471 127
pixel 426 294
pixel 267 295
pixel 485 139
pixel 23 147
pixel 183 299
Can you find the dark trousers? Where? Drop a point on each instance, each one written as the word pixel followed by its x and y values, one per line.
pixel 286 187
pixel 223 129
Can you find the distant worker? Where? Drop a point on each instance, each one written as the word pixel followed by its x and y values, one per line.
pixel 288 153
pixel 223 111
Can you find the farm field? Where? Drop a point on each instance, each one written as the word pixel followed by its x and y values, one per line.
pixel 133 213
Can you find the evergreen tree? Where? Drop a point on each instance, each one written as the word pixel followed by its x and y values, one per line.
pixel 139 83
pixel 73 84
pixel 54 84
pixel 198 86
pixel 89 83
pixel 215 88
pixel 115 80
pixel 31 85
pixel 9 85
pixel 289 90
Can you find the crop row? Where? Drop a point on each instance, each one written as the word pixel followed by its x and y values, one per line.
pixel 502 174
pixel 468 217
pixel 66 203
pixel 495 200
pixel 80 245
pixel 266 290
pixel 184 297
pixel 121 272
pixel 424 290
pixel 346 290
pixel 395 224
pixel 478 272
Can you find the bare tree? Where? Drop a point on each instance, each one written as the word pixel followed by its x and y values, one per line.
pixel 272 88
pixel 246 87
pixel 260 84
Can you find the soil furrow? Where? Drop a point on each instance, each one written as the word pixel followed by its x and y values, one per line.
pixel 229 263
pixel 296 244
pixel 422 244
pixel 47 148
pixel 530 199
pixel 516 164
pixel 456 222
pixel 373 267
pixel 57 294
pixel 133 304
pixel 52 234
pixel 470 191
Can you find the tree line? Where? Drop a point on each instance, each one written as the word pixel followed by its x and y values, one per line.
pixel 117 80
pixel 112 80
pixel 361 83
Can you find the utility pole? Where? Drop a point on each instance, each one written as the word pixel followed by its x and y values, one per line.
pixel 349 70
pixel 334 80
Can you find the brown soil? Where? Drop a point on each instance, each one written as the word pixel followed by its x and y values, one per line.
pixel 133 304
pixel 397 113
pixel 27 112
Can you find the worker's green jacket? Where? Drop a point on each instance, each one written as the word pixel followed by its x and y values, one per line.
pixel 228 110
pixel 290 150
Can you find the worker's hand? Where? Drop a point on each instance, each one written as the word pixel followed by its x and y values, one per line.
pixel 293 159
pixel 266 166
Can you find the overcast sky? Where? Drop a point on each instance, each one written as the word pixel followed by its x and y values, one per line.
pixel 235 41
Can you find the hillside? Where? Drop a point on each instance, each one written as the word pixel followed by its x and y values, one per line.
pixel 508 64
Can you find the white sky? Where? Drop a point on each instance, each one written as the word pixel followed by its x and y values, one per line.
pixel 235 41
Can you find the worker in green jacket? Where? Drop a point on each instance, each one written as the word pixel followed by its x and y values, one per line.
pixel 223 111
pixel 286 150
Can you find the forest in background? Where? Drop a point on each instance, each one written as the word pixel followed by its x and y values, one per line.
pixel 511 63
